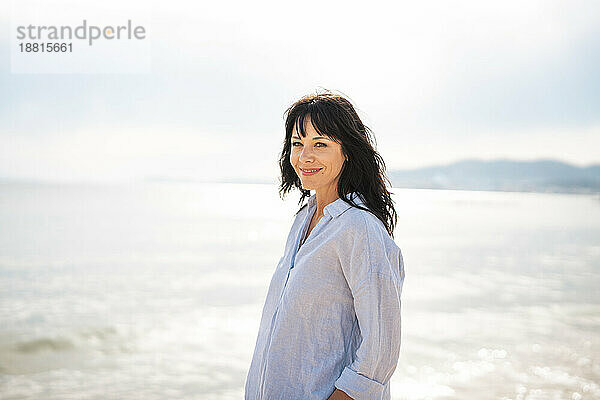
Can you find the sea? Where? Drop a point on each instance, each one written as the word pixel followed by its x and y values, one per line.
pixel 154 290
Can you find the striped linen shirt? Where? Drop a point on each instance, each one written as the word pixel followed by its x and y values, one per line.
pixel 331 317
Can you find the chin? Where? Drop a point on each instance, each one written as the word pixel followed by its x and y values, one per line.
pixel 308 185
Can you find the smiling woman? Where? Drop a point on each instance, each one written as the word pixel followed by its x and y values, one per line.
pixel 330 327
pixel 318 161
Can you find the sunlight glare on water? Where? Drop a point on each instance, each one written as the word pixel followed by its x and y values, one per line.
pixel 155 291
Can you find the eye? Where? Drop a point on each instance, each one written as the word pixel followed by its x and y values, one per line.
pixel 318 144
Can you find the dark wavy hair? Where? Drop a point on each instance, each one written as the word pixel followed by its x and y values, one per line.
pixel 363 171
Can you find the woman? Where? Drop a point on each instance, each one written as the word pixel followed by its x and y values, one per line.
pixel 330 326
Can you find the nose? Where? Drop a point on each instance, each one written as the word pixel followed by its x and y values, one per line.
pixel 306 155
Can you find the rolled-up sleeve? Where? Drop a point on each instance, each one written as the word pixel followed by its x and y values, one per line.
pixel 374 271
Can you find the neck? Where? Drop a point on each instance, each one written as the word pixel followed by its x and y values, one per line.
pixel 323 199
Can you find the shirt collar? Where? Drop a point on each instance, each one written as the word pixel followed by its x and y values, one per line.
pixel 338 206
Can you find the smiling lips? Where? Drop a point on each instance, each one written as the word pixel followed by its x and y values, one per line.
pixel 311 171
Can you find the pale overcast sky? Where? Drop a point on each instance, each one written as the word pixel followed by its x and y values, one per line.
pixel 436 81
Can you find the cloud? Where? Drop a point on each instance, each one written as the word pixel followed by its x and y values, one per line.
pixel 435 80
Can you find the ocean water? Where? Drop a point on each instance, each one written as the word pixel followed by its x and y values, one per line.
pixel 154 291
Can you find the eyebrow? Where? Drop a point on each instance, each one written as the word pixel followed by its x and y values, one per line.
pixel 315 138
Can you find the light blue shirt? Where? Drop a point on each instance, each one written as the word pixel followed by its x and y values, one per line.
pixel 331 317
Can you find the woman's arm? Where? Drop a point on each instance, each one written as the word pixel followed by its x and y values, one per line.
pixel 339 395
pixel 373 267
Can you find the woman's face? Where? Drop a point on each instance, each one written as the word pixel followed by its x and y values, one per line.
pixel 316 152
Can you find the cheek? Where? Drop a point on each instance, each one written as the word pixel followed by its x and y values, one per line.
pixel 337 160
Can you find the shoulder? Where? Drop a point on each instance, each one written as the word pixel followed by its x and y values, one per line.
pixel 360 221
pixel 360 224
pixel 298 219
pixel 300 214
pixel 364 241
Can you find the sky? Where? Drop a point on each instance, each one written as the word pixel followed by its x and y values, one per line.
pixel 436 81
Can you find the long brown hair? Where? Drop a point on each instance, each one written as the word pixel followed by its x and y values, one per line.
pixel 364 171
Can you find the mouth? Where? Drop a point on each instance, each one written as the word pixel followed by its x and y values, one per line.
pixel 310 171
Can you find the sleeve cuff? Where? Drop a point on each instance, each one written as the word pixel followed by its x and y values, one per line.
pixel 358 386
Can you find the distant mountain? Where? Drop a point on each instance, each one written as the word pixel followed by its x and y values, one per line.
pixel 502 175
